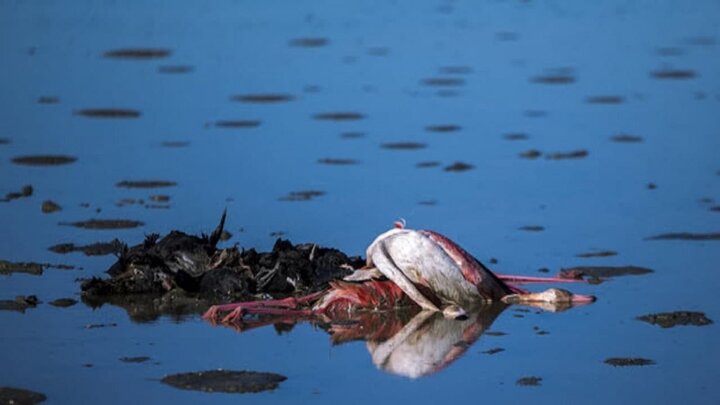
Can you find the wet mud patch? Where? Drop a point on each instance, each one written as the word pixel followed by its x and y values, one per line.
pixel 137 53
pixel 263 98
pixel 605 99
pixel 32 268
pixel 339 116
pixel 443 82
pixel 596 273
pixel 443 128
pixel 686 236
pixel 575 154
pixel 20 303
pixel 24 192
pixel 19 396
pixel 427 165
pixel 63 302
pixel 515 136
pixel 175 144
pixel 43 160
pixel 403 145
pixel 304 195
pixel 48 207
pixel 93 249
pixel 103 224
pixel 227 381
pixel 677 318
pixel 673 74
pixel 309 42
pixel 531 381
pixel 626 138
pixel 628 361
pixel 601 253
pixel 532 228
pixel 109 113
pixel 135 359
pixel 237 124
pixel 48 100
pixel 145 184
pixel 338 162
pixel 176 69
pixel 459 167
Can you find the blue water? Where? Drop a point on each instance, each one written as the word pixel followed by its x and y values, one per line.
pixel 600 202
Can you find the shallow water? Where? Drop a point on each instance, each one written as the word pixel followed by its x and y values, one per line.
pixel 386 71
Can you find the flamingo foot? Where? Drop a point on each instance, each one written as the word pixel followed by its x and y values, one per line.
pixel 551 299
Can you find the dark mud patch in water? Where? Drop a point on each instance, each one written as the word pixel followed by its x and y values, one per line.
pixel 176 69
pixel 100 325
pixel 456 70
pixel 605 100
pixel 701 41
pixel 4 141
pixel 19 396
pixel 628 361
pixel 304 195
pixel 600 272
pixel 26 191
pixel 266 98
pixel 20 303
pixel 673 74
pixel 48 207
pixel 529 381
pixel 576 154
pixel 145 184
pixel 352 135
pixel 48 100
pixel 602 253
pixel 686 236
pixel 338 162
pixel 459 167
pixel 309 42
pixel 532 228
pixel 104 224
pixel 138 53
pixel 515 136
pixel 427 165
pixel 531 154
pixel 443 128
pixel 63 302
pixel 175 144
pixel 557 79
pixel 135 359
pixel 626 138
pixel 672 319
pixel 339 116
pixel 404 145
pixel 494 350
pixel 93 249
pixel 111 113
pixel 237 124
pixel 227 381
pixel 43 160
pixel 33 268
pixel 443 82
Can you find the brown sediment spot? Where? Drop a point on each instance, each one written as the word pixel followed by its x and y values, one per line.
pixel 309 42
pixel 459 167
pixel 427 164
pixel 20 303
pixel 605 100
pixel 626 138
pixel 575 154
pixel 601 253
pixel 535 113
pixel 108 113
pixel 104 224
pixel 595 273
pixel 93 249
pixel 100 325
pixel 531 381
pixel 176 69
pixel 227 381
pixel 378 51
pixel 10 395
pixel 456 70
pixel 671 319
pixel 443 82
pixel 531 154
pixel 43 160
pixel 305 195
pixel 48 100
pixel 506 36
pixel 670 51
pixel 26 191
pixel 63 302
pixel 264 98
pixel 443 128
pixel 404 145
pixel 339 116
pixel 628 361
pixel 145 184
pixel 236 124
pixel 553 79
pixel 685 236
pixel 175 144
pixel 532 228
pixel 137 53
pixel 494 350
pixel 160 198
pixel 428 203
pixel 135 359
pixel 352 135
pixel 33 268
pixel 48 207
pixel 515 136
pixel 673 74
pixel 338 162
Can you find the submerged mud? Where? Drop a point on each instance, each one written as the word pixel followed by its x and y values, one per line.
pixel 686 236
pixel 10 395
pixel 33 268
pixel 93 249
pixel 671 319
pixel 43 160
pixel 20 303
pixel 628 361
pixel 228 381
pixel 104 224
pixel 26 191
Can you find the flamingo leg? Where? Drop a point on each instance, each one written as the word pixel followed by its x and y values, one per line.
pixel 285 306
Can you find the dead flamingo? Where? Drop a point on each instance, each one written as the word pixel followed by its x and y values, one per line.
pixel 424 266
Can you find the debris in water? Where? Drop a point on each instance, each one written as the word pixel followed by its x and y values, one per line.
pixel 236 124
pixel 443 128
pixel 459 167
pixel 403 145
pixel 265 98
pixel 671 319
pixel 673 74
pixel 531 154
pixel 137 53
pixel 628 361
pixel 651 186
pixel 43 160
pixel 100 325
pixel 339 116
pixel 529 381
pixel 108 113
pixel 48 207
pixel 602 253
pixel 605 100
pixel 63 302
pixel 686 236
pixel 145 184
pixel 136 359
pixel 576 154
pixel 626 138
pixel 494 350
pixel 10 395
pixel 20 303
pixel 104 224
pixel 532 228
pixel 338 162
pixel 225 381
pixel 35 269
pixel 93 249
pixel 305 195
pixel 26 191
pixel 553 79
pixel 443 82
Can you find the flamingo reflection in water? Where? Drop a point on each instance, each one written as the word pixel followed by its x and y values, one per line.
pixel 406 267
